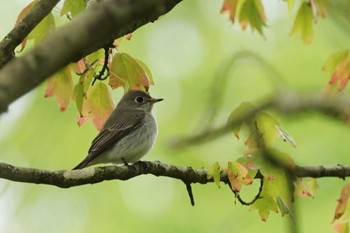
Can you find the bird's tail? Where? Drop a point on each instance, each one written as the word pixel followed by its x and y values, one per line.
pixel 83 164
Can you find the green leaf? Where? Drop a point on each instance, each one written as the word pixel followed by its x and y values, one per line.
pixel 97 106
pixel 214 172
pixel 304 22
pixel 269 129
pixel 81 89
pixel 276 183
pixel 268 169
pixel 275 193
pixel 264 205
pixel 237 114
pixel 42 29
pixel 251 12
pixel 78 97
pixel 73 6
pixel 266 126
pixel 127 72
pixel 61 86
pixel 290 4
pixel 284 208
pixel 98 55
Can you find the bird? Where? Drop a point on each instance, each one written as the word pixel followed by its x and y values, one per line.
pixel 127 135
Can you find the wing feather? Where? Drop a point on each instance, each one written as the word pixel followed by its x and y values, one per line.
pixel 112 133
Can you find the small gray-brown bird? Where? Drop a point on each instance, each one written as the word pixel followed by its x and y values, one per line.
pixel 128 133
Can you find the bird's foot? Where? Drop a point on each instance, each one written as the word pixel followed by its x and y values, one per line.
pixel 130 166
pixel 143 164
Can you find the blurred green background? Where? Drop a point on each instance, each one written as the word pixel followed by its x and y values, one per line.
pixel 187 51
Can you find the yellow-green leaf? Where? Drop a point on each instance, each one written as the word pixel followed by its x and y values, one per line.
pixel 237 114
pixel 73 6
pixel 42 29
pixel 303 22
pixel 78 97
pixel 290 4
pixel 251 12
pixel 214 172
pixel 266 126
pixel 264 205
pixel 284 208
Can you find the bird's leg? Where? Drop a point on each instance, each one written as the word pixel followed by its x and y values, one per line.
pixel 131 167
pixel 125 162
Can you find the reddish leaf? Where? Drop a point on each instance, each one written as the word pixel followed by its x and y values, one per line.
pixel 61 86
pixel 127 72
pixel 97 106
pixel 342 202
pixel 230 7
pixel 238 175
pixel 339 64
pixel 306 187
pixel 320 7
pixel 21 15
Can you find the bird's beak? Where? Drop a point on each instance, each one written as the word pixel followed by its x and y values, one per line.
pixel 155 100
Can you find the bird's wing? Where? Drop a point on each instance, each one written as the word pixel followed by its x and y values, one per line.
pixel 109 136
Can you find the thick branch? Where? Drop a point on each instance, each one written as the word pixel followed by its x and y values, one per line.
pixel 94 29
pixel 23 28
pixel 71 178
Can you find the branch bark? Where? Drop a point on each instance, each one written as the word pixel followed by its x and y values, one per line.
pixel 90 31
pixel 72 178
pixel 23 28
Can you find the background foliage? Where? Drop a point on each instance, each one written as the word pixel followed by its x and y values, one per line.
pixel 187 51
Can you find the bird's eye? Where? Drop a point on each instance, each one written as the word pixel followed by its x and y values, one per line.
pixel 139 99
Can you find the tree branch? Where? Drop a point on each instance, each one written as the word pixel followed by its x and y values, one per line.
pixel 23 28
pixel 88 32
pixel 71 178
pixel 286 102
